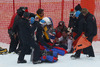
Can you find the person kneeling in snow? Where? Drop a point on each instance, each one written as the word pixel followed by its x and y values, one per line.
pixel 65 41
pixel 42 32
pixel 47 27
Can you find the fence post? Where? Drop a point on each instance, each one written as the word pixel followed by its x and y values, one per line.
pixel 39 3
pixel 62 10
pixel 73 4
pixel 13 6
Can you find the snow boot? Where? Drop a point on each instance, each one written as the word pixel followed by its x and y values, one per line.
pixel 21 61
pixel 37 62
pixel 75 57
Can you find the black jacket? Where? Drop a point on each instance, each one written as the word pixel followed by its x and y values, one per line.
pixel 17 18
pixel 32 15
pixel 81 26
pixel 73 23
pixel 39 35
pixel 25 31
pixel 91 28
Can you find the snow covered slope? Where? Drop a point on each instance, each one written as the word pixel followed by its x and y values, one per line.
pixel 10 60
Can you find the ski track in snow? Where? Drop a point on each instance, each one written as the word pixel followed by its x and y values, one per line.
pixel 10 60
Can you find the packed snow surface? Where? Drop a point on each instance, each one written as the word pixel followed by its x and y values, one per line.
pixel 10 60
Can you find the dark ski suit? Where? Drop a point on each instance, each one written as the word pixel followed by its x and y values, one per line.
pixel 26 34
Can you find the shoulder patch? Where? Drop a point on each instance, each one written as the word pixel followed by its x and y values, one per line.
pixel 93 18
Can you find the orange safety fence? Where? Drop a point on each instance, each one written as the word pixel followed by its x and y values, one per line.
pixel 56 9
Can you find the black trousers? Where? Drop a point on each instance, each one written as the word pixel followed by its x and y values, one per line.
pixel 25 49
pixel 20 45
pixel 89 50
pixel 13 43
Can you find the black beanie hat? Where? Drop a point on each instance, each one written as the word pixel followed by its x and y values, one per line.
pixel 26 14
pixel 20 11
pixel 78 7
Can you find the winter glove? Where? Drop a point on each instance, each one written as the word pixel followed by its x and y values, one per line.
pixel 69 29
pixel 10 32
pixel 50 47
